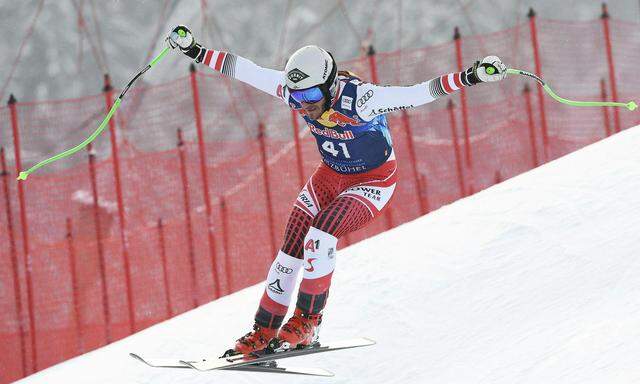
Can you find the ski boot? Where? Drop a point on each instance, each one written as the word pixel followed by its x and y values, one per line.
pixel 254 341
pixel 301 331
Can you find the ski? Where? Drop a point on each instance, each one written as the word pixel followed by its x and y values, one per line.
pixel 263 356
pixel 160 362
pixel 269 367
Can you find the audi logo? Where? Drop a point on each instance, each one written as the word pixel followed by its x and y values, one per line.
pixel 283 269
pixel 364 98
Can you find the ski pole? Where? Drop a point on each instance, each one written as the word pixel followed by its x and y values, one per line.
pixel 630 105
pixel 23 175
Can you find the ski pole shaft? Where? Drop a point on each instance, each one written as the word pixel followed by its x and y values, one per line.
pixel 630 105
pixel 24 174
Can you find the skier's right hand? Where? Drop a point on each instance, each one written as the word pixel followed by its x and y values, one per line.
pixel 181 37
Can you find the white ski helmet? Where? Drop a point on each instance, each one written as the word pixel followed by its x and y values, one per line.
pixel 312 66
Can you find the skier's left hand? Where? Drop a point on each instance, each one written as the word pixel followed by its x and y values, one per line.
pixel 181 37
pixel 489 69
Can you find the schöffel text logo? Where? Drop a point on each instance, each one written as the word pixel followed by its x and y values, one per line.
pixel 381 111
pixel 332 133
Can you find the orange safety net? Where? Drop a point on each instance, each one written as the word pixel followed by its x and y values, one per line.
pixel 81 291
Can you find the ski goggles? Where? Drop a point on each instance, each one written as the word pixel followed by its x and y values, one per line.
pixel 309 95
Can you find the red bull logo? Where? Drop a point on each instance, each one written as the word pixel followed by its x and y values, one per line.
pixel 332 118
pixel 331 133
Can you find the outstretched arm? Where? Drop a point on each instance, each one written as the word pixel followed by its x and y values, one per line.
pixel 237 67
pixel 373 100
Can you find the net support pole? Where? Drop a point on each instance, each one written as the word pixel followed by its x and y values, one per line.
pixel 74 285
pixel 205 181
pixel 267 188
pixel 108 96
pixel 463 102
pixel 425 189
pixel 611 64
pixel 225 244
pixel 162 247
pixel 532 127
pixel 14 263
pixel 456 148
pixel 24 223
pixel 538 65
pixel 106 313
pixel 188 220
pixel 414 162
pixel 605 110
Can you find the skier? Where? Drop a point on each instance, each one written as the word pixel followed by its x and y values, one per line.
pixel 351 186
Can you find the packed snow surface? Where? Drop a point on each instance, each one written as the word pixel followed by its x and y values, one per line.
pixel 535 280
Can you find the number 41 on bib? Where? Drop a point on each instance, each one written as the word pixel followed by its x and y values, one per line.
pixel 328 146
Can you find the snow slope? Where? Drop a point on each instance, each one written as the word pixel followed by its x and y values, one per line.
pixel 535 280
